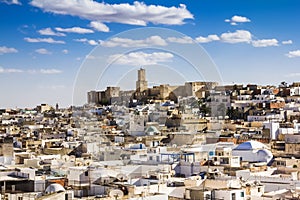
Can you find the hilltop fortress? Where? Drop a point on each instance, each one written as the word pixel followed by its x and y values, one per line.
pixel 163 92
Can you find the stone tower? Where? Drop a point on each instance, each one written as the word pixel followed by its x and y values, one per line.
pixel 141 83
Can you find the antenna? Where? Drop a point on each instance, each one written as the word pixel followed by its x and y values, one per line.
pixel 116 194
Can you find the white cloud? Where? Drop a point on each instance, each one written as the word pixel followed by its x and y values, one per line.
pixel 11 2
pixel 207 39
pixel 240 19
pixel 99 26
pixel 44 71
pixel 237 37
pixel 92 42
pixel 65 51
pixel 126 42
pixel 140 58
pixel 74 30
pixel 49 31
pixel 287 42
pixel 137 13
pixel 265 43
pixel 43 51
pixel 32 71
pixel 87 41
pixel 5 49
pixel 50 71
pixel 293 54
pixel 46 40
pixel 9 70
pixel 180 40
pixel 235 20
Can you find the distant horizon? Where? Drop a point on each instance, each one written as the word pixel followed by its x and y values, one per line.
pixel 70 105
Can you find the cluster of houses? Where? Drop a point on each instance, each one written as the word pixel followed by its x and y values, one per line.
pixel 197 141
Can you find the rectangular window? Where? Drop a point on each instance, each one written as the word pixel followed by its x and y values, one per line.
pixel 278 163
pixel 242 194
pixel 224 161
pixel 233 196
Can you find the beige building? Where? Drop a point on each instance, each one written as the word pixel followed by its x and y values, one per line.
pixel 162 92
pixel 93 97
pixel 292 144
pixel 141 83
pixel 6 150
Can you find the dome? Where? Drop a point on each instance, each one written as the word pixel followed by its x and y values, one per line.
pixel 251 145
pixel 17 144
pixel 55 187
pixel 167 103
pixel 265 155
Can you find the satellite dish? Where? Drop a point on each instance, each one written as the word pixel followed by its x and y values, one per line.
pixel 116 194
pixel 139 139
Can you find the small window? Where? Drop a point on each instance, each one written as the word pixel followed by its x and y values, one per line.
pixel 242 194
pixel 86 173
pixel 258 189
pixel 278 163
pixel 233 196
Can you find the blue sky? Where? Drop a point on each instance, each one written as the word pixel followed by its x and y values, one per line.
pixel 44 45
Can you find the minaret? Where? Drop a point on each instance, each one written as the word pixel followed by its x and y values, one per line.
pixel 141 83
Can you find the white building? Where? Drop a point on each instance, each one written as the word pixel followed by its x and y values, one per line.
pixel 136 125
pixel 253 151
pixel 274 129
pixel 295 91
